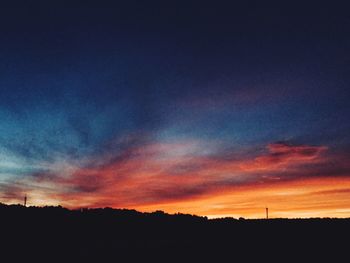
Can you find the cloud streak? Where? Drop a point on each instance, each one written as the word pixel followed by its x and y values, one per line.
pixel 153 173
pixel 281 156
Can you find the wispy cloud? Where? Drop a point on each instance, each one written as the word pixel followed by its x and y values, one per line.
pixel 282 155
pixel 134 172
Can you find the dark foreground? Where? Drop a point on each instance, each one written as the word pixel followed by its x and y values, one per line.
pixel 54 234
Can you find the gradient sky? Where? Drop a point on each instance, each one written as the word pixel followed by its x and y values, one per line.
pixel 214 109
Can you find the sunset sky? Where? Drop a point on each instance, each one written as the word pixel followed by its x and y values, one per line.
pixel 197 107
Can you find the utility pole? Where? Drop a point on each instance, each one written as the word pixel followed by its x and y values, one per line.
pixel 267 213
pixel 25 200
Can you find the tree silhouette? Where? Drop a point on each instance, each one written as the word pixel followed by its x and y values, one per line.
pixel 98 235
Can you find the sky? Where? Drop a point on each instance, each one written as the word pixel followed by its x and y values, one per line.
pixel 209 108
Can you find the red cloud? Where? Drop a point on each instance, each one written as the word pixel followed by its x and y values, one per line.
pixel 167 172
pixel 177 177
pixel 282 156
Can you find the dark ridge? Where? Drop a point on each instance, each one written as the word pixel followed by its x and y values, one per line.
pixel 120 235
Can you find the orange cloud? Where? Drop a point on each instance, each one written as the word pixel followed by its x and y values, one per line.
pixel 172 171
pixel 312 197
pixel 177 177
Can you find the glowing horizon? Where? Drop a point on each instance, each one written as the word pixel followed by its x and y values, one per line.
pixel 178 177
pixel 288 200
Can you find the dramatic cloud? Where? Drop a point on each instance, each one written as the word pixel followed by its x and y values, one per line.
pixel 282 156
pixel 175 109
pixel 155 174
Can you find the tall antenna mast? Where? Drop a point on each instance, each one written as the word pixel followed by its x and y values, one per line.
pixel 25 200
pixel 267 213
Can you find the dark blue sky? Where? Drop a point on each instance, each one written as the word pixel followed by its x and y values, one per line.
pixel 82 82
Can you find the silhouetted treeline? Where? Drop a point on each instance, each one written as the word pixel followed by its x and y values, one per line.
pixel 120 235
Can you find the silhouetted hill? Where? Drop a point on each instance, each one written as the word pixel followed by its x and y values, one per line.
pixel 114 235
